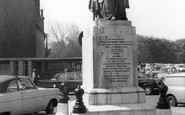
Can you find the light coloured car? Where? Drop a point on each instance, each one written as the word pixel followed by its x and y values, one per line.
pixel 150 72
pixel 19 95
pixel 180 67
pixel 176 88
pixel 166 71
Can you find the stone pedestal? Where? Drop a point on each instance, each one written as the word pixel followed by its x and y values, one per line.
pixel 163 112
pixel 110 78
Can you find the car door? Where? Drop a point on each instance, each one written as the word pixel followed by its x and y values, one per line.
pixel 12 99
pixel 31 97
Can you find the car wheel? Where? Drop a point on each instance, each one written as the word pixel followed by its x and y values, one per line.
pixel 148 90
pixel 50 108
pixel 172 100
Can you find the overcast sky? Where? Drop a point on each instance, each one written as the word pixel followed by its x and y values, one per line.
pixel 157 18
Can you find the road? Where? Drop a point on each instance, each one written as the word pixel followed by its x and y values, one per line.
pixel 179 110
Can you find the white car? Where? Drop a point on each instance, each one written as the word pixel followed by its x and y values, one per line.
pixel 19 95
pixel 176 88
pixel 180 67
pixel 166 71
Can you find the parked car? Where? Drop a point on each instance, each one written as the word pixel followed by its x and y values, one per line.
pixel 149 85
pixel 176 88
pixel 150 72
pixel 19 95
pixel 180 67
pixel 73 80
pixel 165 71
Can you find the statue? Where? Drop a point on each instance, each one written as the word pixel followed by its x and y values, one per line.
pixel 109 9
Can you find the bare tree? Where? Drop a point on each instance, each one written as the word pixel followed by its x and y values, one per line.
pixel 66 37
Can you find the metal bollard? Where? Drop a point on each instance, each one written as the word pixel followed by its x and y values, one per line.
pixel 64 93
pixel 163 107
pixel 79 106
pixel 162 103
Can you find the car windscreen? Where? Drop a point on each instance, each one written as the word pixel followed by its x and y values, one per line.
pixel 70 76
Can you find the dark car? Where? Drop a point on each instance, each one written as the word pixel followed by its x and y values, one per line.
pixel 149 85
pixel 73 80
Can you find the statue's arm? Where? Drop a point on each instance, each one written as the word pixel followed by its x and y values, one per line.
pixel 90 5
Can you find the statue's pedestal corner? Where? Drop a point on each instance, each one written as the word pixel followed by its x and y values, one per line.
pixel 129 95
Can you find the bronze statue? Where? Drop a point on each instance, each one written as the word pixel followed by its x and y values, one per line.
pixel 109 9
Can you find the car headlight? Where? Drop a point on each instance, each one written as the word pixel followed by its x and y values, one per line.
pixel 54 85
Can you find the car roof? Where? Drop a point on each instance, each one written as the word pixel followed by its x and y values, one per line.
pixel 182 74
pixel 4 81
pixel 23 77
pixel 169 67
pixel 4 78
pixel 146 79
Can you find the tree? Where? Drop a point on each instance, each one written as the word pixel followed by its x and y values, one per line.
pixel 181 50
pixel 143 51
pixel 66 44
pixel 156 50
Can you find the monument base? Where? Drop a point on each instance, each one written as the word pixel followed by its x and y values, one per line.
pixel 114 96
pixel 124 109
pixel 110 78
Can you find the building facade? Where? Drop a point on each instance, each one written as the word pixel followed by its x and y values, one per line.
pixel 46 67
pixel 21 29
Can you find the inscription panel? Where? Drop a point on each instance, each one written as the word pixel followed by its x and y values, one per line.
pixel 115 60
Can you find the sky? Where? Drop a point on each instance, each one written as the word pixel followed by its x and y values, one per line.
pixel 156 18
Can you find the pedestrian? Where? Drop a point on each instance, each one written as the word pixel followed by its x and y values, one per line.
pixel 141 70
pixel 35 77
pixel 65 76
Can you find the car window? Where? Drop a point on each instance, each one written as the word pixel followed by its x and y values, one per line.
pixel 71 76
pixel 26 84
pixel 61 77
pixel 166 70
pixel 12 87
pixel 174 70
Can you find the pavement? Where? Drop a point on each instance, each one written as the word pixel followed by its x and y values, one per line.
pixel 61 109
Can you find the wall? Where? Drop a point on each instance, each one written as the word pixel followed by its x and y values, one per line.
pixel 17 28
pixel 39 44
pixel 5 68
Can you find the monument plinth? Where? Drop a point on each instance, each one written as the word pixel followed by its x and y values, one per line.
pixel 109 67
pixel 110 78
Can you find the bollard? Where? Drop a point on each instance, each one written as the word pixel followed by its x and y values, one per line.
pixel 163 107
pixel 79 106
pixel 63 107
pixel 64 93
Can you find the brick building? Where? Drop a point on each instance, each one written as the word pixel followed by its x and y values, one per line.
pixel 21 29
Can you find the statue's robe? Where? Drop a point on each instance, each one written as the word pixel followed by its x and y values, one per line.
pixel 114 8
pixel 109 8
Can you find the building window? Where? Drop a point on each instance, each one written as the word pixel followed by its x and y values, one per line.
pixel 26 68
pixel 16 68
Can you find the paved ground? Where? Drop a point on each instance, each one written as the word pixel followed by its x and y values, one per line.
pixel 179 110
